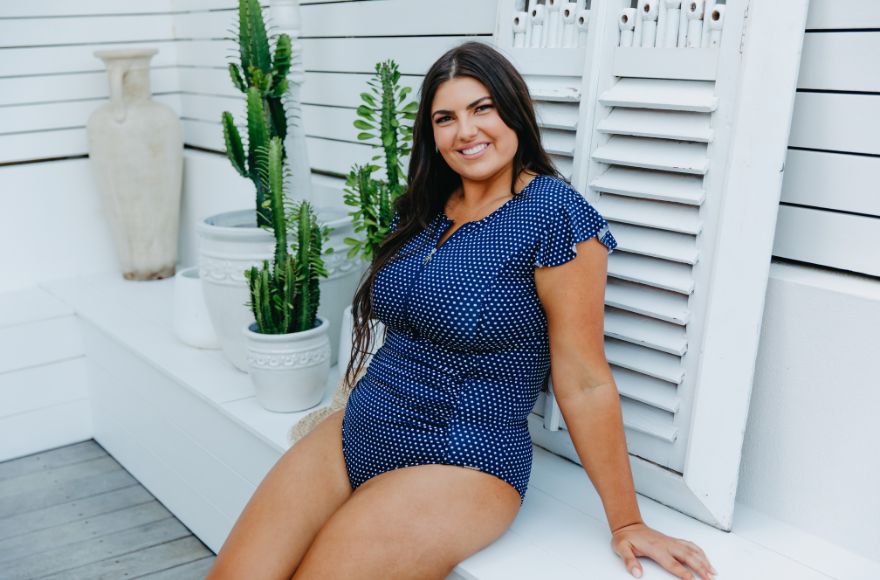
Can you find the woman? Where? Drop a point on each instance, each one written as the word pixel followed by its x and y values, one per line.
pixel 479 287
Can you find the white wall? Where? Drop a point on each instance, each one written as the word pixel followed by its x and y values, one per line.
pixel 809 456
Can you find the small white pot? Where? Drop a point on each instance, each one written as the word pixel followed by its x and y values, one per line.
pixel 192 323
pixel 346 339
pixel 289 371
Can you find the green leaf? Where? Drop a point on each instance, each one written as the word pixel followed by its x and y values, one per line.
pixel 364 136
pixel 359 124
pixel 411 107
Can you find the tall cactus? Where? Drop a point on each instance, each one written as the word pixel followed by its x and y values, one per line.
pixel 284 296
pixel 381 113
pixel 262 76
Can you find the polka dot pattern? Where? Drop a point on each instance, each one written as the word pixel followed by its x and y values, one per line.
pixel 466 351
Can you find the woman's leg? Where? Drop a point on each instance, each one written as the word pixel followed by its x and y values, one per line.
pixel 416 522
pixel 298 495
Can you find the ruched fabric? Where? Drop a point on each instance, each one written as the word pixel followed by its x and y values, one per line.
pixel 466 351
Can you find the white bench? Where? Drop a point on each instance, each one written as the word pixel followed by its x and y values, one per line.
pixel 186 424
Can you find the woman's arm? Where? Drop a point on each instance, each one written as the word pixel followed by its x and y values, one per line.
pixel 573 297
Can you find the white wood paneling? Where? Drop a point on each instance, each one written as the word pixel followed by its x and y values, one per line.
pixel 836 181
pixel 840 61
pixel 45 428
pixel 43 386
pixel 836 122
pixel 38 343
pixel 839 240
pixel 21 32
pixel 837 14
pixel 57 8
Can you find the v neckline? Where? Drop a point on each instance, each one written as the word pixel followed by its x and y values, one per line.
pixel 446 220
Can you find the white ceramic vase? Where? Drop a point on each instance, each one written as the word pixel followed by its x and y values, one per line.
pixel 191 322
pixel 289 371
pixel 231 242
pixel 136 152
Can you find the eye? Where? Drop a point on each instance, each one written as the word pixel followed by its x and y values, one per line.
pixel 481 107
pixel 439 120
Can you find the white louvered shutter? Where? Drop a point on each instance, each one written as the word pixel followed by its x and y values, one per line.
pixel 663 143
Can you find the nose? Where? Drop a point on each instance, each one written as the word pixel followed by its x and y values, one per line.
pixel 467 129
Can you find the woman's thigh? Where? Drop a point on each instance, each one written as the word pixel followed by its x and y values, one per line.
pixel 414 522
pixel 295 499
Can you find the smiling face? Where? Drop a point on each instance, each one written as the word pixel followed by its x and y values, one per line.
pixel 469 133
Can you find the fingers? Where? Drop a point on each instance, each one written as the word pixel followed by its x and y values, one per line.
pixel 676 554
pixel 625 551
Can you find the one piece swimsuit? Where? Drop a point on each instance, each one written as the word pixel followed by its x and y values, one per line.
pixel 466 351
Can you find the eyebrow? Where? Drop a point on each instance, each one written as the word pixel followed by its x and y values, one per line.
pixel 472 105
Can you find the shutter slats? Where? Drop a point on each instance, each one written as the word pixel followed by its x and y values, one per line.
pixel 644 360
pixel 653 302
pixel 655 243
pixel 696 96
pixel 677 156
pixel 662 215
pixel 677 125
pixel 558 142
pixel 649 421
pixel 646 331
pixel 651 271
pixel 658 185
pixel 557 115
pixel 648 390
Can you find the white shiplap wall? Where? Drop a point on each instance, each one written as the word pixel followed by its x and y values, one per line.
pixel 830 208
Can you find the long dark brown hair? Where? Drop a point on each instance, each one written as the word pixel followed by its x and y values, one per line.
pixel 431 181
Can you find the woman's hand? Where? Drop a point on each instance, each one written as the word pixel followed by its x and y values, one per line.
pixel 637 539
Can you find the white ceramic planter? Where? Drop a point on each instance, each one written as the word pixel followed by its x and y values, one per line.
pixel 231 242
pixel 289 371
pixel 191 322
pixel 347 338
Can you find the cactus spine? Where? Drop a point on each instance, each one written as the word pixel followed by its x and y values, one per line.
pixel 262 76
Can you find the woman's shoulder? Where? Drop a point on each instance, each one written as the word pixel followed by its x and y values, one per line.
pixel 549 191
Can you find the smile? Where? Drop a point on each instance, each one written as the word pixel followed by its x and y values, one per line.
pixel 474 150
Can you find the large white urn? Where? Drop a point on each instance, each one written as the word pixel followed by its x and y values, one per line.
pixel 231 242
pixel 136 153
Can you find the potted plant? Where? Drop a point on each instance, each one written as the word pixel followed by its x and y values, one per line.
pixel 288 347
pixel 231 242
pixel 382 115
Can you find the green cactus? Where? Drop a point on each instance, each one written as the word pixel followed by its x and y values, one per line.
pixel 284 296
pixel 381 117
pixel 262 76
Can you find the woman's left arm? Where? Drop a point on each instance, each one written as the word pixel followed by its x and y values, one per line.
pixel 573 298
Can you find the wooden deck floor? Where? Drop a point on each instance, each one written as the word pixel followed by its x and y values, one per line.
pixel 74 512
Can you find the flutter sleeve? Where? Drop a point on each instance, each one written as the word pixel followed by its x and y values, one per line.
pixel 572 219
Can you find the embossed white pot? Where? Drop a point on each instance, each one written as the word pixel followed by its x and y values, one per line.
pixel 289 371
pixel 231 242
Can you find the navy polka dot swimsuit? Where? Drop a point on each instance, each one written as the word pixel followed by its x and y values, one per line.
pixel 466 350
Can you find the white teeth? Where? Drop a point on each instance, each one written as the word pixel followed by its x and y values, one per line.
pixel 476 149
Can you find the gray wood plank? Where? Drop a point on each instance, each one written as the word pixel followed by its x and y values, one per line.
pixel 196 570
pixel 86 529
pixel 64 492
pixel 51 459
pixel 144 561
pixel 72 511
pixel 91 551
pixel 33 482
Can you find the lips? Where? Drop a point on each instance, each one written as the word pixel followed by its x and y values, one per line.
pixel 474 150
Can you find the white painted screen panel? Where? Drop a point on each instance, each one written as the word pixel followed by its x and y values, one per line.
pixel 653 157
